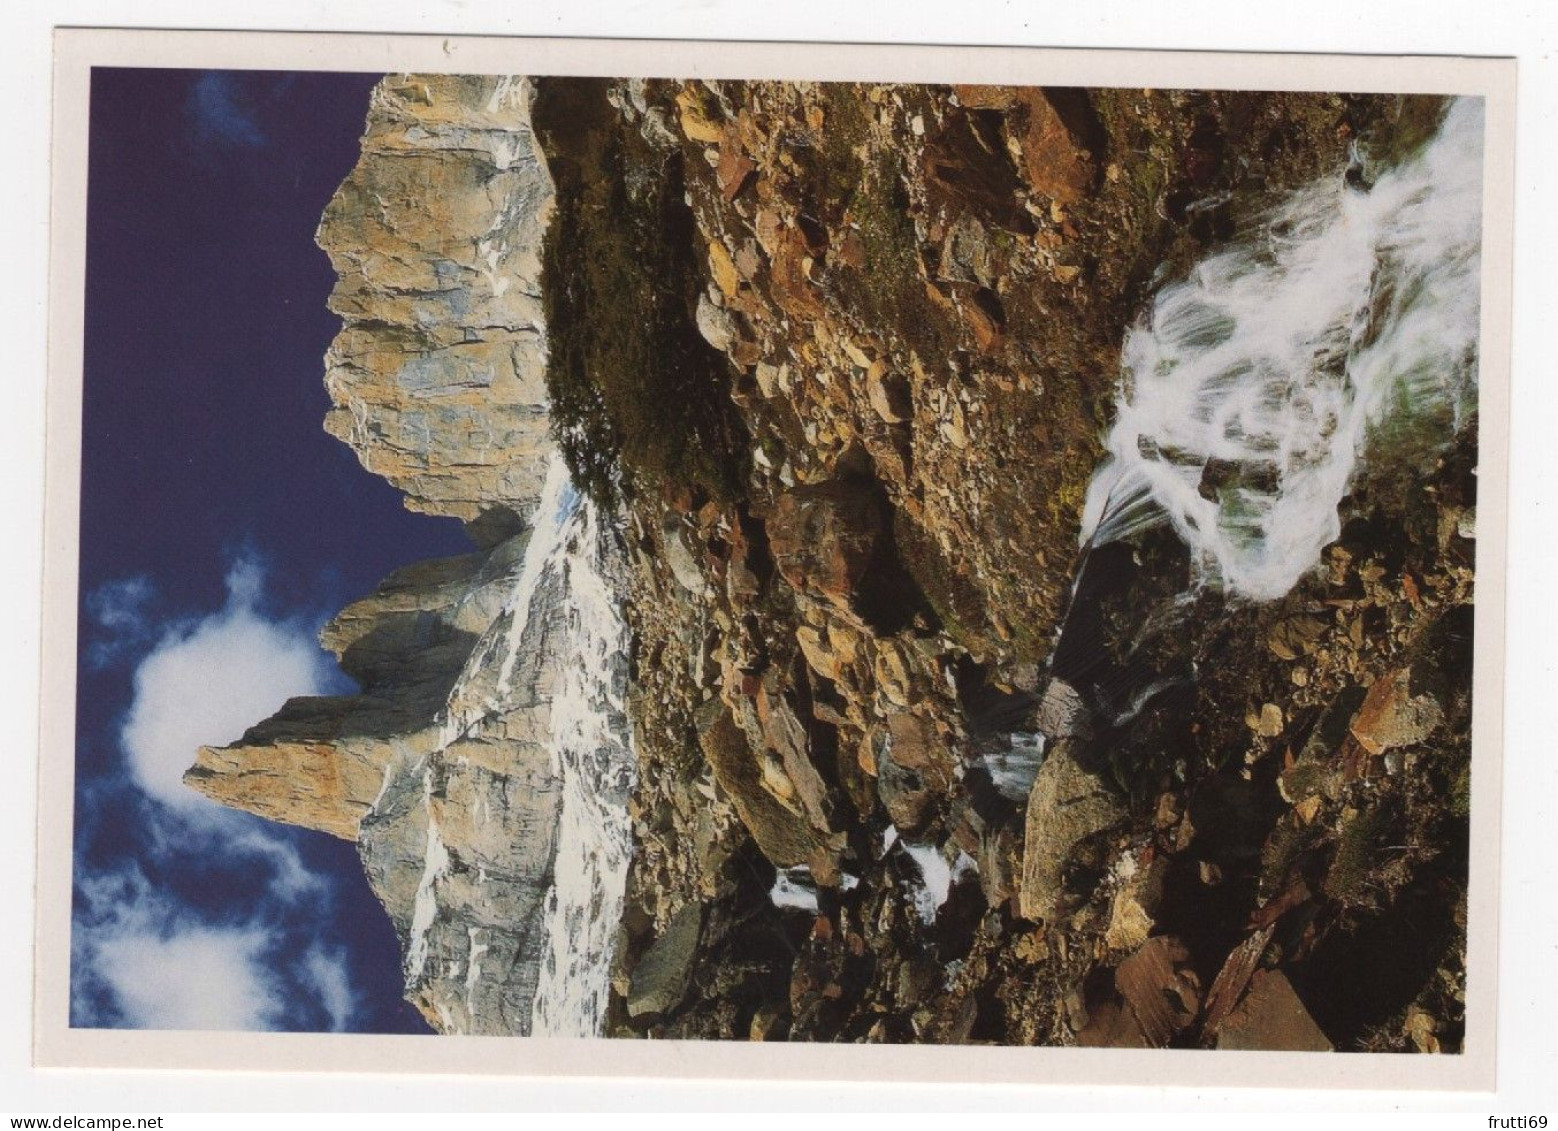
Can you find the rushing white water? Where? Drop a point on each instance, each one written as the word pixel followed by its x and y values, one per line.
pixel 795 888
pixel 929 895
pixel 1013 764
pixel 1251 387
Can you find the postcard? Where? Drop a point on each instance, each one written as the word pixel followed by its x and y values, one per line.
pixel 767 560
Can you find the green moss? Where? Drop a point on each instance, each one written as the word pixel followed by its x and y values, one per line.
pixel 639 399
pixel 889 290
pixel 1305 779
pixel 1357 841
pixel 835 171
pixel 1289 838
pixel 1460 794
pixel 1066 503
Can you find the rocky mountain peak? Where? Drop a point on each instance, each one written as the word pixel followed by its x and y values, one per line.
pixel 438 374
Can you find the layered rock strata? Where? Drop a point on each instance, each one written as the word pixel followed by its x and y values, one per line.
pixel 437 376
pixel 441 768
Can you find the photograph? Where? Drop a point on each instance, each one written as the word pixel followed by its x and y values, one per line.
pixel 775 560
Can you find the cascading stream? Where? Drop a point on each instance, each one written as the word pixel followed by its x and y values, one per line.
pixel 1251 388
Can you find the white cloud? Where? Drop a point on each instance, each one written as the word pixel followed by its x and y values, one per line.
pixel 159 969
pixel 120 606
pixel 144 958
pixel 291 879
pixel 326 973
pixel 200 978
pixel 119 609
pixel 205 684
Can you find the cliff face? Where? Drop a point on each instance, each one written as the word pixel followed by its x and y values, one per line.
pixel 905 763
pixel 441 768
pixel 438 374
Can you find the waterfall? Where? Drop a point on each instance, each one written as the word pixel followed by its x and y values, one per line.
pixel 1250 387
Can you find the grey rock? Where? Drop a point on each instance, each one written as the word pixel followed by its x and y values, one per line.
pixel 717 326
pixel 438 375
pixel 660 979
pixel 1068 804
pixel 1061 712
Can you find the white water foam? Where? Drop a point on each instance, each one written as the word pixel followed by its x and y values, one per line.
pixel 1251 387
pixel 796 889
pixel 1013 764
pixel 936 877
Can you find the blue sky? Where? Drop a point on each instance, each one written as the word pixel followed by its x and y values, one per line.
pixel 220 527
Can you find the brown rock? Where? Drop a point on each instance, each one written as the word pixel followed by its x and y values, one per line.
pixel 1231 980
pixel 1135 904
pixel 986 97
pixel 1267 722
pixel 891 668
pixel 851 250
pixel 437 378
pixel 723 269
pixel 1111 1025
pixel 917 745
pixel 1392 716
pixel 1423 1030
pixel 982 321
pixel 1271 1018
pixel 784 735
pixel 1053 160
pixel 789 283
pixel 913 768
pixel 824 537
pixel 1067 805
pixel 1160 988
pixel 814 647
pixel 1294 637
pixel 741 581
pixel 783 835
pixel 888 394
pixel 967 164
pixel 734 172
pixel 323 785
pixel 694 116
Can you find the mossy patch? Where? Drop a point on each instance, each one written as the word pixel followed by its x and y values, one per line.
pixel 639 399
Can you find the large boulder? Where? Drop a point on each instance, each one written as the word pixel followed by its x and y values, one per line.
pixel 1068 805
pixel 824 537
